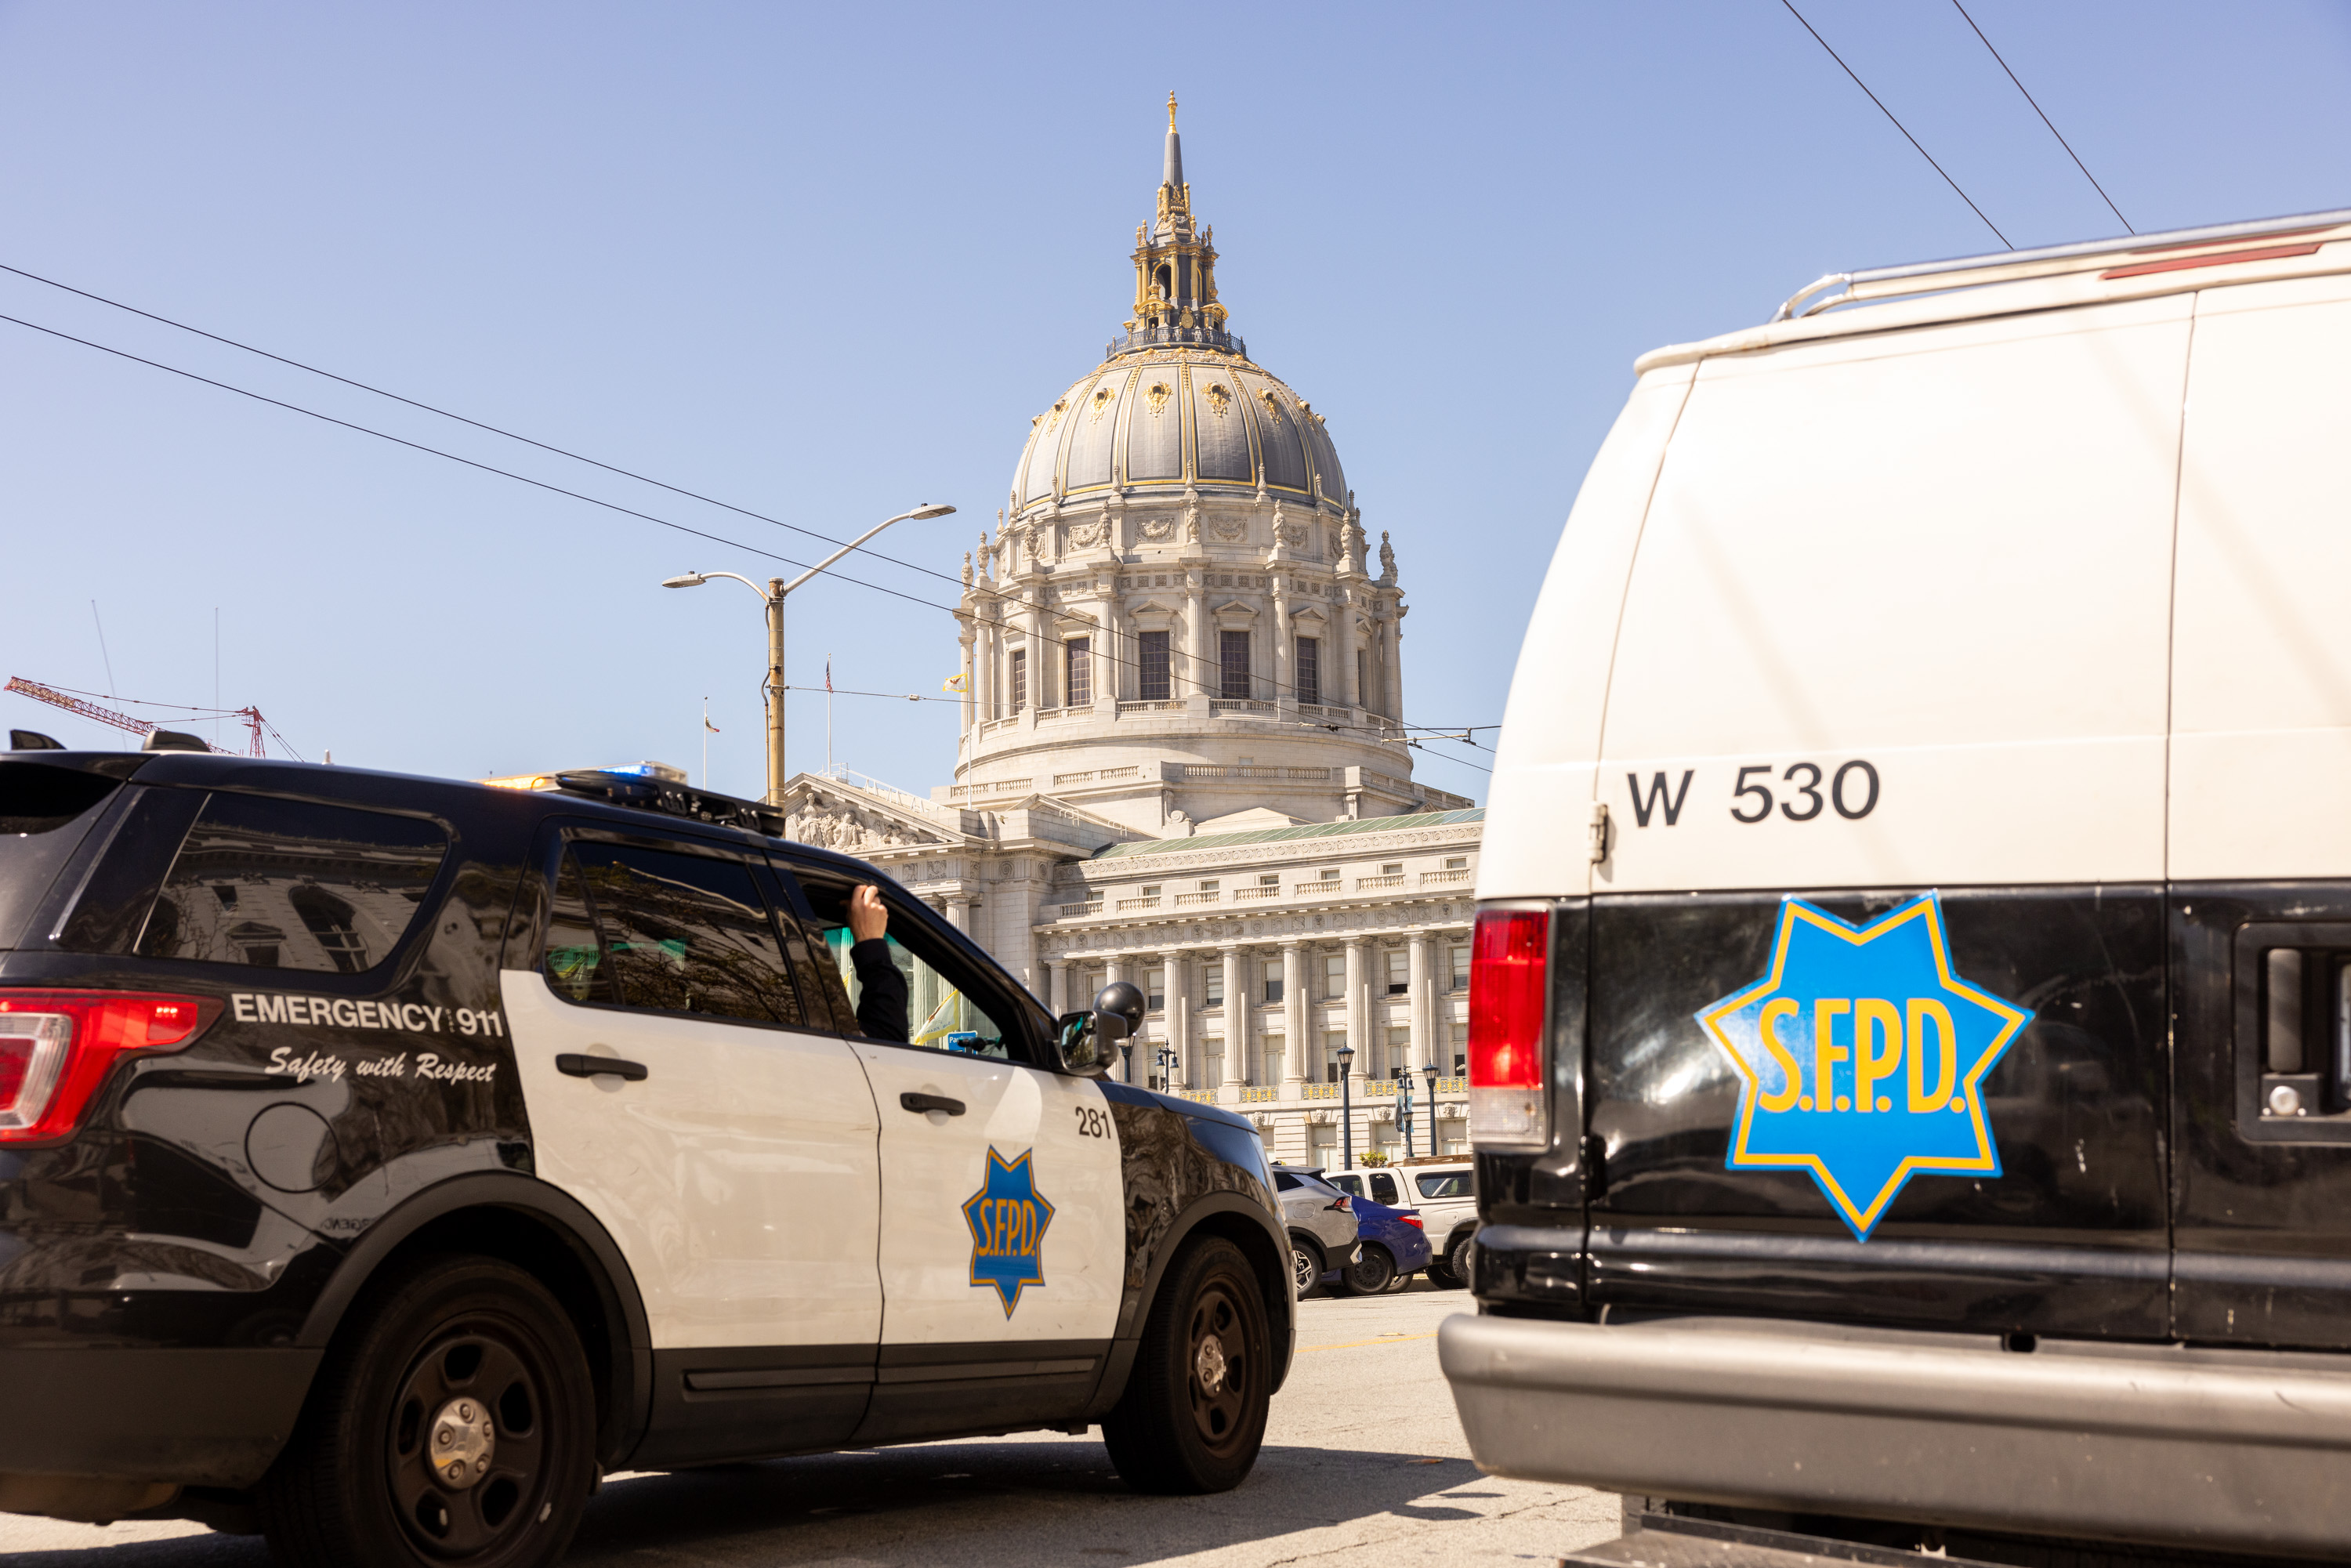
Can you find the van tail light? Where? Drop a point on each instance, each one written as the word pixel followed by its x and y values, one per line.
pixel 1510 960
pixel 57 1046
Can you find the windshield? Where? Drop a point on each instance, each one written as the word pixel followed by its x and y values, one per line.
pixel 45 814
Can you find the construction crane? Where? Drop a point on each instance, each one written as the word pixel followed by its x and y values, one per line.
pixel 77 703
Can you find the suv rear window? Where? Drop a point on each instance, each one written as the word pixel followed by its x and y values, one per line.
pixel 288 884
pixel 45 813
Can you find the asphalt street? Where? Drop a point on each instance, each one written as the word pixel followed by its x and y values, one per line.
pixel 1364 1465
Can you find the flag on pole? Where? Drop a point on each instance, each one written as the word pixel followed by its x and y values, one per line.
pixel 828 676
pixel 953 682
pixel 710 726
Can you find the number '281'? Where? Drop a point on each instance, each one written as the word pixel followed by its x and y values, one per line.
pixel 1852 791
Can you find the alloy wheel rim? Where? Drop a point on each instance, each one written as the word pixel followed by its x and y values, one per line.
pixel 465 1454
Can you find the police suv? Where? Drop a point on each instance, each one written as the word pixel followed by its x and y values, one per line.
pixel 1910 1042
pixel 383 1159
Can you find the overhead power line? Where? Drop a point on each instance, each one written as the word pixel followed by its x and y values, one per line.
pixel 2045 121
pixel 1938 169
pixel 558 489
pixel 528 441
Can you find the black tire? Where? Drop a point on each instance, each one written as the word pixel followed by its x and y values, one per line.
pixel 1193 1415
pixel 1458 1264
pixel 1306 1266
pixel 1374 1272
pixel 356 1485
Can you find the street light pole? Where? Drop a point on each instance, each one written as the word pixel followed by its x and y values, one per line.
pixel 1429 1072
pixel 774 595
pixel 1404 1110
pixel 1346 1055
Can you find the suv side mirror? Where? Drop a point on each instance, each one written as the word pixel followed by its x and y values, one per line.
pixel 1088 1042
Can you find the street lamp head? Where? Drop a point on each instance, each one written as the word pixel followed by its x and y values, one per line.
pixel 931 509
pixel 1346 1054
pixel 689 579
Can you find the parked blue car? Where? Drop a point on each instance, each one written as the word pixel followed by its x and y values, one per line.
pixel 1395 1247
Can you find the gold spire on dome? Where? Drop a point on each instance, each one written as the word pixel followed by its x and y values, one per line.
pixel 1175 265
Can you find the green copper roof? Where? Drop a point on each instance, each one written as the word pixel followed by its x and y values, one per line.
pixel 1283 835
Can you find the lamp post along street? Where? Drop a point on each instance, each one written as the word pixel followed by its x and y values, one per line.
pixel 773 596
pixel 1428 1072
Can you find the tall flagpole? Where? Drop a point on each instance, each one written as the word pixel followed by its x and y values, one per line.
pixel 828 713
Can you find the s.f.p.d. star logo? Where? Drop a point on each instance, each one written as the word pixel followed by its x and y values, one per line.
pixel 1008 1217
pixel 1862 1057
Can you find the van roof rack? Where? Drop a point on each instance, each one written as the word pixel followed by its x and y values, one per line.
pixel 2260 239
pixel 648 793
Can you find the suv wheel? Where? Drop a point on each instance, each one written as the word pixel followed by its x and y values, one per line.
pixel 1193 1412
pixel 1374 1273
pixel 1305 1267
pixel 454 1426
pixel 1456 1264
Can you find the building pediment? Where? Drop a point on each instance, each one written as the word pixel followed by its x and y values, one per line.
pixel 836 816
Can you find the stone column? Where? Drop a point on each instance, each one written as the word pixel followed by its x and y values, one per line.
pixel 1114 970
pixel 1285 665
pixel 1039 686
pixel 1339 676
pixel 1057 987
pixel 1393 675
pixel 1179 1018
pixel 967 708
pixel 1416 975
pixel 1359 1010
pixel 1194 677
pixel 1293 1017
pixel 984 679
pixel 1236 1016
pixel 959 910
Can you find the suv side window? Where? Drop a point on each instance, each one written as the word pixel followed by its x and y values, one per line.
pixel 1446 1184
pixel 1284 1182
pixel 666 930
pixel 1383 1188
pixel 950 1006
pixel 288 884
pixel 1353 1186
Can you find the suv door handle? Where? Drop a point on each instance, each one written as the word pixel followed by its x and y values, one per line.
pixel 913 1102
pixel 575 1066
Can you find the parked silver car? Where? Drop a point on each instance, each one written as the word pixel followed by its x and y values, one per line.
pixel 1321 1223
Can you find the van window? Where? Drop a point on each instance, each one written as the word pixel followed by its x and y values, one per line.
pixel 289 884
pixel 1444 1184
pixel 672 931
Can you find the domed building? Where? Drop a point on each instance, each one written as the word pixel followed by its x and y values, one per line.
pixel 1175 624
pixel 1183 759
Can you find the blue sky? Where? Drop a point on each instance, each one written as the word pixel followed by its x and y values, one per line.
pixel 827 262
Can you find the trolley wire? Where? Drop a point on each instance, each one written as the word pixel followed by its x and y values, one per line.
pixel 1938 169
pixel 577 494
pixel 997 591
pixel 2045 121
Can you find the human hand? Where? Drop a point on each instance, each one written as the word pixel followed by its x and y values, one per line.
pixel 867 918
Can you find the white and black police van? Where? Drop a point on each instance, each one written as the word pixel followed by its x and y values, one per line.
pixel 383 1159
pixel 1910 1052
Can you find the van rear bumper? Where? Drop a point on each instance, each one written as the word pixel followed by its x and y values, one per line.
pixel 2220 1450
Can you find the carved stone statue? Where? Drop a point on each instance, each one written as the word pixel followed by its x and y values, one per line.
pixel 966 568
pixel 1387 558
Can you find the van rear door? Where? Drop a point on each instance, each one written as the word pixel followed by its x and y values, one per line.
pixel 1883 766
pixel 2260 844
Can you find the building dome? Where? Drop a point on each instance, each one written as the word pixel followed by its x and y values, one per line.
pixel 1155 418
pixel 1174 626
